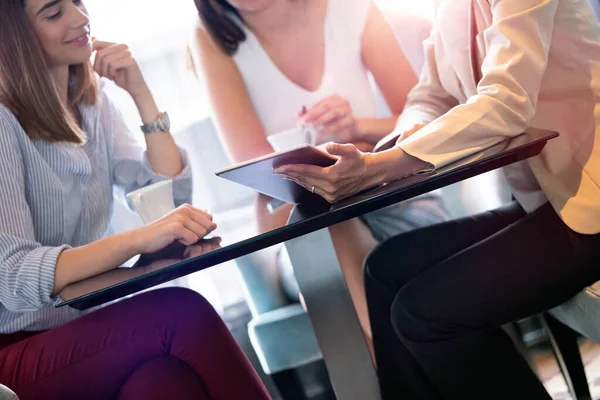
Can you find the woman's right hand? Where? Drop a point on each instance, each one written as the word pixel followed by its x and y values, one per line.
pixel 185 224
pixel 333 119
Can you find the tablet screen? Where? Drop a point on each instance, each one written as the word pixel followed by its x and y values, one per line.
pixel 258 173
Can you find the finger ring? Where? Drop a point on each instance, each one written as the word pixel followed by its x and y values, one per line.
pixel 313 189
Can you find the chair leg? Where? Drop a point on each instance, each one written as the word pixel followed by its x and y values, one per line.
pixel 566 350
pixel 289 385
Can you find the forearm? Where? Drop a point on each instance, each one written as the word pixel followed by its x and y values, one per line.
pixel 95 258
pixel 267 220
pixel 390 165
pixel 241 152
pixel 163 154
pixel 372 130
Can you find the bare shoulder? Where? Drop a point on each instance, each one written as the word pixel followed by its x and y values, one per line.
pixel 208 59
pixel 203 42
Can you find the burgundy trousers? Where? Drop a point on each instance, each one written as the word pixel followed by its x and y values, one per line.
pixel 164 344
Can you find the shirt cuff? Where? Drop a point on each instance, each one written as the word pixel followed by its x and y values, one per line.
pixel 409 118
pixel 429 146
pixel 37 273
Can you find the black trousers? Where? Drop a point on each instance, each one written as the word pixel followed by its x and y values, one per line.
pixel 438 296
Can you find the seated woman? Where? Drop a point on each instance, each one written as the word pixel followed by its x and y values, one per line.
pixel 62 147
pixel 270 65
pixel 438 296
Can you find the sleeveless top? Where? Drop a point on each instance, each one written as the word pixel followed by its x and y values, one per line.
pixel 277 100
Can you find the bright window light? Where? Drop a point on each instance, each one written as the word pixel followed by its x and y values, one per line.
pixel 132 21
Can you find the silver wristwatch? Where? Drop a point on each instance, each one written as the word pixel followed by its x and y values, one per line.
pixel 162 124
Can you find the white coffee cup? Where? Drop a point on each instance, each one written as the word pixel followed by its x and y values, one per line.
pixel 153 201
pixel 293 137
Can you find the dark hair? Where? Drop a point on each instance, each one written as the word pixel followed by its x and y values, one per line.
pixel 26 86
pixel 222 20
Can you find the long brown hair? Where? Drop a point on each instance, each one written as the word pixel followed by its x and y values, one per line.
pixel 26 86
pixel 219 18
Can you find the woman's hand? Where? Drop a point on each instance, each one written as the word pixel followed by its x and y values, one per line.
pixel 346 177
pixel 333 120
pixel 186 224
pixel 115 62
pixel 353 172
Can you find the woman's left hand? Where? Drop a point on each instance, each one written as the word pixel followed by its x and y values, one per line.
pixel 343 179
pixel 115 62
pixel 333 120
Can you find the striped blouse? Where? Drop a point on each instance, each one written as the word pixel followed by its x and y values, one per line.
pixel 57 196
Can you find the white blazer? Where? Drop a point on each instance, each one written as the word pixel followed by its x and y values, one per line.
pixel 539 63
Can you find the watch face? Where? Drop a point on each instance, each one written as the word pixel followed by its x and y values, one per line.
pixel 165 122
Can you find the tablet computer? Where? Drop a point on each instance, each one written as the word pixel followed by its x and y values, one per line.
pixel 258 173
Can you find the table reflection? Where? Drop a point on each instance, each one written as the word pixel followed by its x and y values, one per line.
pixel 147 264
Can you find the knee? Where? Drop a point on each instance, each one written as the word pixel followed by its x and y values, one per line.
pixel 163 377
pixel 415 317
pixel 177 296
pixel 382 267
pixel 178 303
pixel 374 272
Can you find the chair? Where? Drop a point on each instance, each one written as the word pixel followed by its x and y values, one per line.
pixel 280 330
pixel 7 394
pixel 566 350
pixel 580 314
